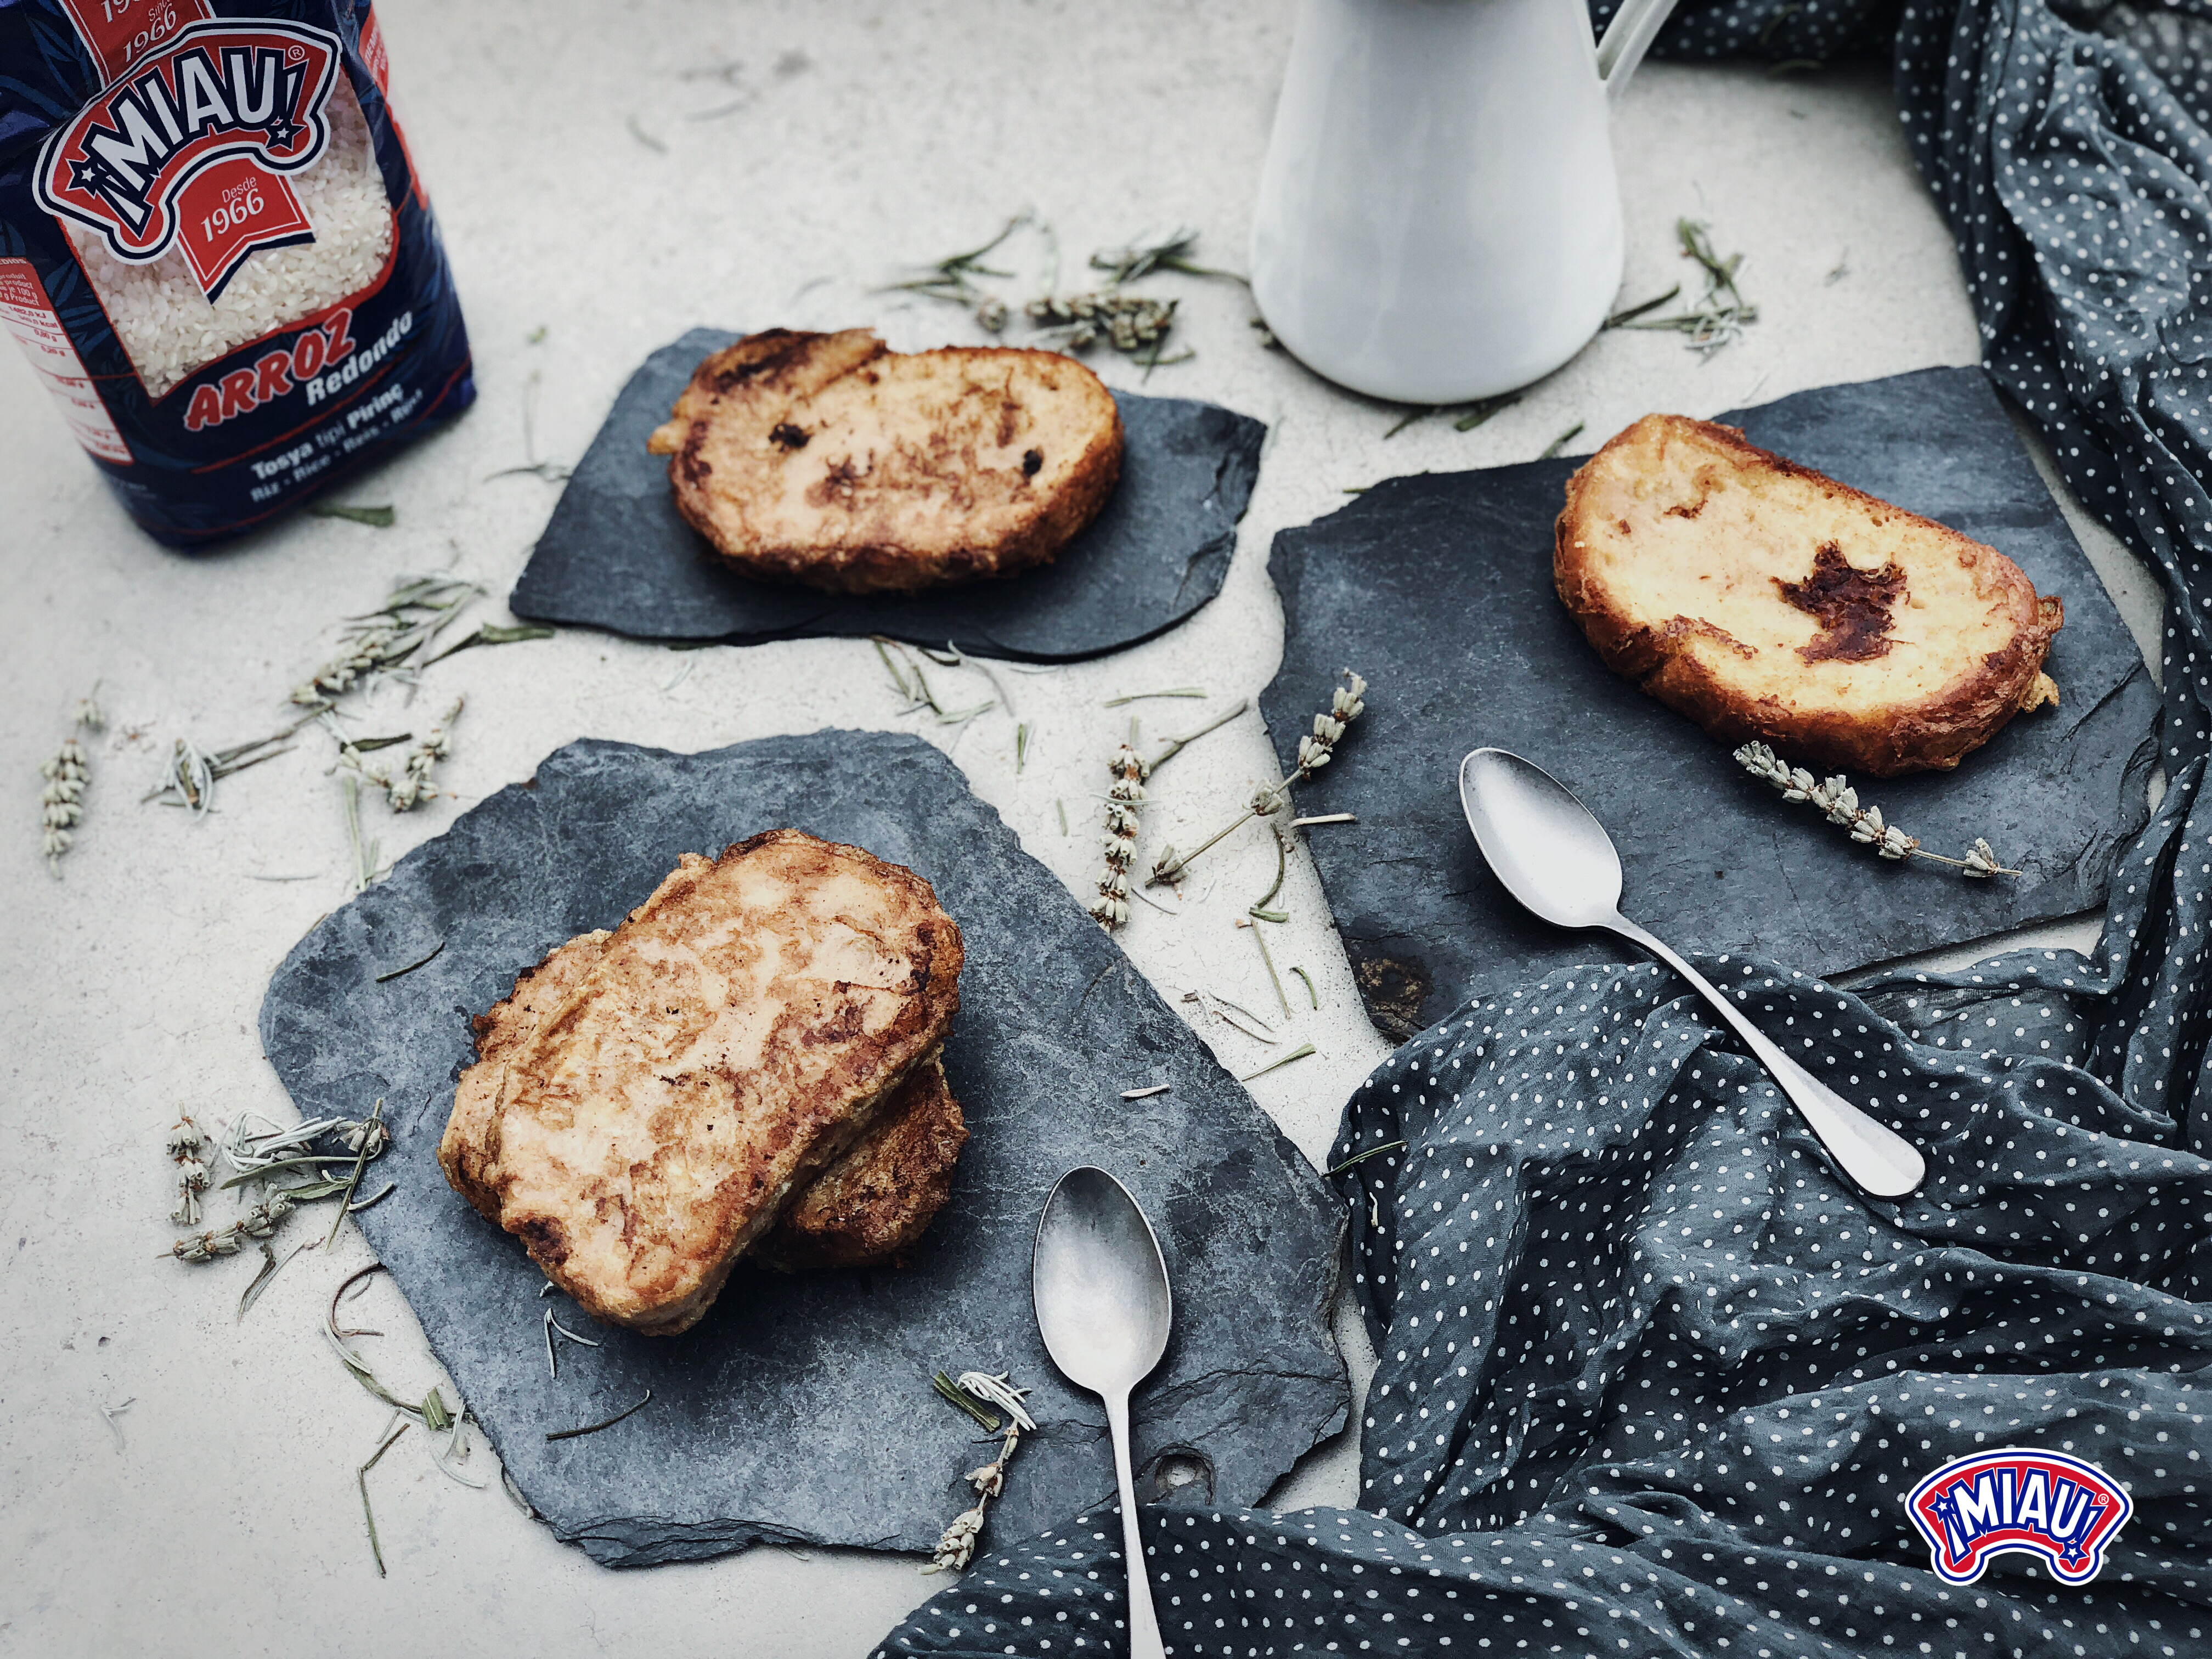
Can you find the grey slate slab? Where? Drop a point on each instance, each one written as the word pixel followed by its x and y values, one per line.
pixel 1438 588
pixel 801 1408
pixel 617 554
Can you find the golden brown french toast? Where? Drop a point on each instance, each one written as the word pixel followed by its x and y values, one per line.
pixel 1770 603
pixel 737 1036
pixel 832 460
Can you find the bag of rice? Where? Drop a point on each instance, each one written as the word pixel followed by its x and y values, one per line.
pixel 216 253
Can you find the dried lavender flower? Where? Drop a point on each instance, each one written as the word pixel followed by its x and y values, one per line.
pixel 1346 704
pixel 260 1222
pixel 1839 803
pixel 955 1547
pixel 67 772
pixel 1125 800
pixel 185 1144
pixel 412 787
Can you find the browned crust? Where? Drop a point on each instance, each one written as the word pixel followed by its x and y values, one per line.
pixel 825 1124
pixel 873 1205
pixel 1932 735
pixel 774 360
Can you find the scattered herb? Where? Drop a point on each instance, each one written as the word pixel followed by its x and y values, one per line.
pixel 1146 1094
pixel 1840 802
pixel 1060 807
pixel 1476 413
pixel 1021 746
pixel 185 1144
pixel 1722 313
pixel 377 517
pixel 1313 753
pixel 956 1547
pixel 1312 996
pixel 947 278
pixel 645 137
pixel 419 961
pixel 967 1402
pixel 1628 315
pixel 270 1267
pixel 356 1208
pixel 1325 817
pixel 67 772
pixel 493 634
pixel 347 1283
pixel 1127 265
pixel 260 1222
pixel 593 1428
pixel 109 1413
pixel 913 685
pixel 1843 269
pixel 371 1143
pixel 1361 1158
pixel 554 1327
pixel 1302 1051
pixel 1125 800
pixel 1562 441
pixel 1177 745
pixel 412 787
pixel 1198 691
pixel 190 778
pixel 364 851
pixel 399 1427
pixel 382 642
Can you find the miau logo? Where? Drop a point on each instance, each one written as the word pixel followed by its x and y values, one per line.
pixel 2036 1502
pixel 222 88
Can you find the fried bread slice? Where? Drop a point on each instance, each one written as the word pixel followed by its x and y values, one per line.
pixel 741 1030
pixel 831 460
pixel 872 1204
pixel 865 1210
pixel 1770 603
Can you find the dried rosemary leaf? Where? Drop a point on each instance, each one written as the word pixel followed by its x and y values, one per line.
pixel 1361 1158
pixel 1302 1051
pixel 967 1402
pixel 419 961
pixel 377 517
pixel 593 1428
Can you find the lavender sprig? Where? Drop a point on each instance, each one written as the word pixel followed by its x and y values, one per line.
pixel 1839 803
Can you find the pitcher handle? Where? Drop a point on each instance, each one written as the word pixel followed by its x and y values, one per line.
pixel 1627 37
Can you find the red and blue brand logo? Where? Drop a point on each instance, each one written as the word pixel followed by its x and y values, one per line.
pixel 2036 1502
pixel 234 103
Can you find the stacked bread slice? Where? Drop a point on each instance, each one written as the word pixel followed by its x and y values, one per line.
pixel 748 1063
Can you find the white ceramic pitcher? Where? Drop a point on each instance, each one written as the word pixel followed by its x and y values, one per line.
pixel 1438 219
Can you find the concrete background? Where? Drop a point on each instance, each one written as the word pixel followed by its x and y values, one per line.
pixel 583 194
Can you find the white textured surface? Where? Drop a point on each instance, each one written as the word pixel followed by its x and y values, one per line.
pixel 227 1520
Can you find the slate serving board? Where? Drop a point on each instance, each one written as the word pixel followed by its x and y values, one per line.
pixel 617 554
pixel 1439 589
pixel 801 1408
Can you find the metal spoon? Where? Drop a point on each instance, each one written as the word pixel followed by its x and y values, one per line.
pixel 1103 1307
pixel 1554 856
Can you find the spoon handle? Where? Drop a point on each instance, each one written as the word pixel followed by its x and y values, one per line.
pixel 1872 1154
pixel 1144 1625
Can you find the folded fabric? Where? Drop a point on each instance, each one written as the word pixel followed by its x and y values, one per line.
pixel 1654 1379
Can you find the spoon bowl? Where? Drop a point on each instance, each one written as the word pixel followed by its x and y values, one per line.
pixel 1101 1287
pixel 1543 844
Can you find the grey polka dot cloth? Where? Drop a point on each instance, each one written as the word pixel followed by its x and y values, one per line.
pixel 1653 1379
